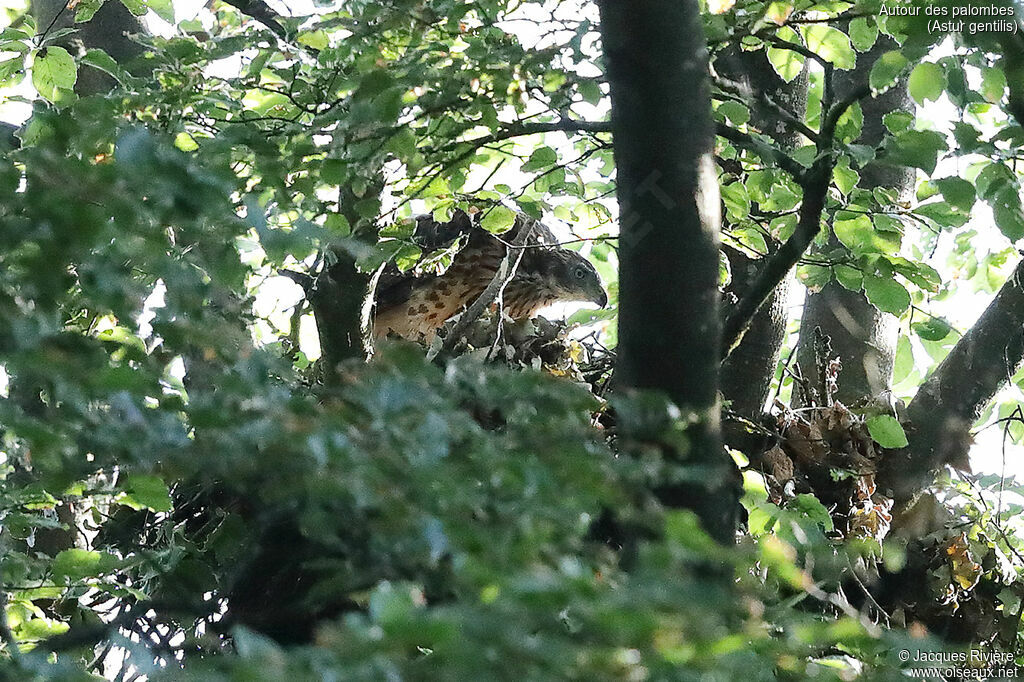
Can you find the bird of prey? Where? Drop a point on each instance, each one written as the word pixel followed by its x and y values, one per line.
pixel 415 306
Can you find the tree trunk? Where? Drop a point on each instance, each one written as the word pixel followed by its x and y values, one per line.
pixel 669 327
pixel 748 371
pixel 863 337
pixel 108 30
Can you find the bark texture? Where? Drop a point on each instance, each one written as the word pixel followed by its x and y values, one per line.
pixel 109 30
pixel 748 371
pixel 341 295
pixel 669 327
pixel 862 336
pixel 952 398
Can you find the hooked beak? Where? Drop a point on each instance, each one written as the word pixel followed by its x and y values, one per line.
pixel 601 299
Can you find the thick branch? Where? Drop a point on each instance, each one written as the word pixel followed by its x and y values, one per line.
pixel 339 296
pixel 952 398
pixel 778 266
pixel 981 362
pixel 815 183
pixel 764 150
pixel 261 12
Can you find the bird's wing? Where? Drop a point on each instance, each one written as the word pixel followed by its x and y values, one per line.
pixel 432 236
pixel 394 286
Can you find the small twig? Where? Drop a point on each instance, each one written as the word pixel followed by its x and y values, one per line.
pixel 815 183
pixel 782 376
pixel 799 49
pixel 506 271
pixel 745 93
pixel 42 38
pixel 867 592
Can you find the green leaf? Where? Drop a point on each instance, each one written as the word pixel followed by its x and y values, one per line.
pixel 781 198
pixel 863 34
pixel 393 603
pixel 933 329
pixel 1006 209
pixel 498 219
pixel 903 365
pixel 886 294
pixel 811 507
pixel 98 59
pixel 915 148
pixel 887 431
pixel 854 230
pixel 966 136
pixel 724 270
pixel 407 257
pixel 333 172
pixel 849 125
pixel 52 71
pixel 921 274
pixel 590 91
pixel 368 208
pixel 898 121
pixel 993 84
pixel 926 82
pixel 787 63
pixel 13 34
pixel 737 201
pixel 252 645
pixel 849 277
pixel 403 143
pixel 736 113
pixel 831 44
pixel 862 154
pixel 859 234
pixel 41 628
pixel 76 564
pixel 957 192
pixel 136 7
pixel 145 492
pixel 783 226
pixel 993 178
pixel 942 214
pixel 163 9
pixel 926 190
pixel 541 159
pixel 814 277
pixel 338 224
pixel 12 70
pixel 317 40
pixel 887 69
pixel 86 9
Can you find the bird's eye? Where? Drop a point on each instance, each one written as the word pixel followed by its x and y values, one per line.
pixel 580 273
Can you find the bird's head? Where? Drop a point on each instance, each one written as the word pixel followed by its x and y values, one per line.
pixel 572 278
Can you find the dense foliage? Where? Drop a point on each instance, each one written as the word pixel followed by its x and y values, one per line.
pixel 183 494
